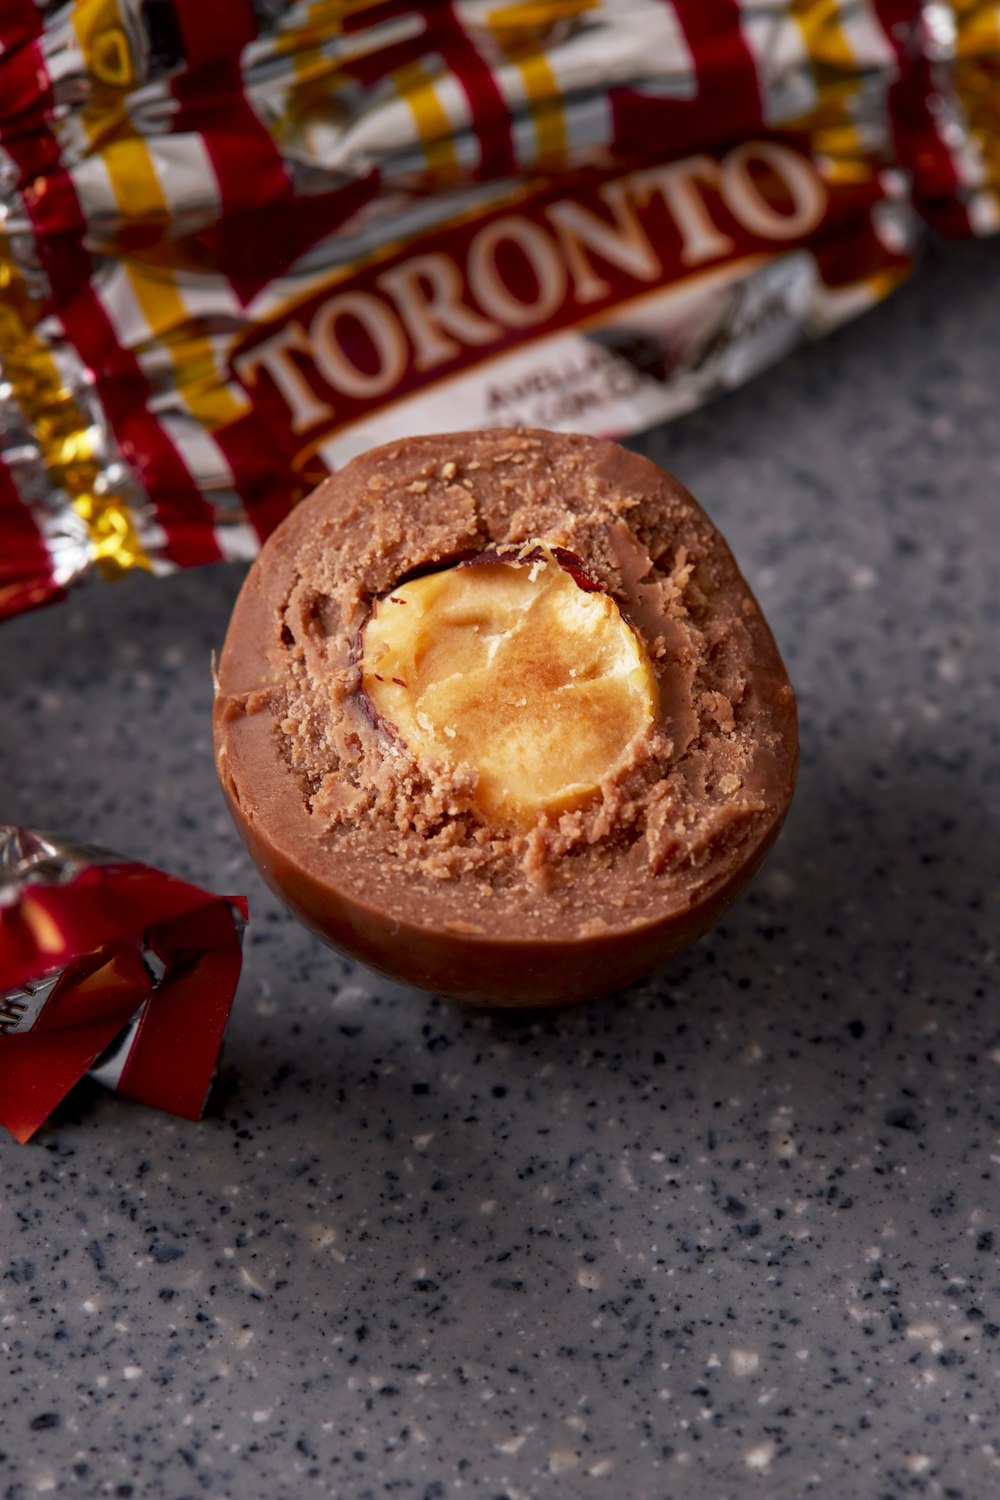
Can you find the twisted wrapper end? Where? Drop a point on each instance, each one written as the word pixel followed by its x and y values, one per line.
pixel 108 967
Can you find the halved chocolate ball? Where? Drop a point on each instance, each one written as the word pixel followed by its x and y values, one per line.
pixel 498 715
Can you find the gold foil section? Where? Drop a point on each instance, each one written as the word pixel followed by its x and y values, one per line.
pixel 112 534
pixel 62 430
pixel 977 84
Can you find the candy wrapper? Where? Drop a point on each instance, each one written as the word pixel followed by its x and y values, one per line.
pixel 240 243
pixel 111 968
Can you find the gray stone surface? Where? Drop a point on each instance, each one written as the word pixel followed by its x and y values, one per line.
pixel 732 1232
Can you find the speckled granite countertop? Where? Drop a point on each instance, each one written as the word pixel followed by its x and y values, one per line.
pixel 732 1232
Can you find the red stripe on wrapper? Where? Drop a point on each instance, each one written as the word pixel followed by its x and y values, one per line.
pixel 727 103
pixel 178 504
pixel 46 188
pixel 246 161
pixel 727 73
pixel 267 485
pixel 487 107
pixel 25 82
pixel 20 21
pixel 234 244
pixel 441 35
pixel 213 33
pixel 919 145
pixel 26 579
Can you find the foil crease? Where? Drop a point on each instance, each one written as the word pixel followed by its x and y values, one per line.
pixel 29 858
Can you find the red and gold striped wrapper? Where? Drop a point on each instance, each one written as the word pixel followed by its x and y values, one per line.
pixel 239 243
pixel 112 968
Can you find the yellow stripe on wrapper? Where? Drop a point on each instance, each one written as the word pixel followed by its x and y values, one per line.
pixel 103 38
pixel 885 282
pixel 520 32
pixel 839 168
pixel 978 27
pixel 312 90
pixel 542 90
pixel 136 186
pixel 102 34
pixel 822 26
pixel 416 85
pixel 199 383
pixel 977 84
pixel 62 431
pixel 135 183
pixel 844 158
pixel 316 24
pixel 537 16
pixel 839 82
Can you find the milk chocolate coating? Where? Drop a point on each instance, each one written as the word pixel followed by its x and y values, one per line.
pixel 386 858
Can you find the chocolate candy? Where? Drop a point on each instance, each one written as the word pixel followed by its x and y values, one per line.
pixel 378 832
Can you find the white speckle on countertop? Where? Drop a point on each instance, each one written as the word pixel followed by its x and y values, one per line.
pixel 350 996
pixel 626 1176
pixel 744 1361
pixel 761 1457
pixel 322 1236
pixel 918 1463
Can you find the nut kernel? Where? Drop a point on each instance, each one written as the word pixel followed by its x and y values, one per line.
pixel 512 665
